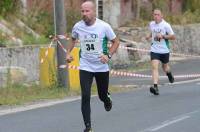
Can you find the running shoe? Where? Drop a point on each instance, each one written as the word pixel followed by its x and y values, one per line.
pixel 154 90
pixel 108 105
pixel 170 77
pixel 88 130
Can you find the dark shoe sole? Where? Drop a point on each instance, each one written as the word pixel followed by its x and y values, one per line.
pixel 170 77
pixel 153 91
pixel 88 130
pixel 171 80
pixel 108 106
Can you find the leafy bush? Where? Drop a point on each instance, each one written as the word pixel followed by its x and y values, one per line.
pixel 29 40
pixel 187 17
pixel 191 5
pixel 2 40
pixel 72 17
pixel 43 22
pixel 9 6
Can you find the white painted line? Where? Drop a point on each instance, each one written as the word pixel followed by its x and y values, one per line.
pixel 38 105
pixel 183 82
pixel 35 106
pixel 169 123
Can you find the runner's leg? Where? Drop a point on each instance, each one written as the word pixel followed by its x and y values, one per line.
pixel 86 79
pixel 102 80
pixel 155 73
pixel 166 67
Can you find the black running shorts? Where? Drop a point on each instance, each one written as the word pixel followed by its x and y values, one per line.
pixel 164 58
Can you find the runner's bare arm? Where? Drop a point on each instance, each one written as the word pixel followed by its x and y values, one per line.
pixel 169 36
pixel 114 46
pixel 148 37
pixel 71 45
pixel 69 58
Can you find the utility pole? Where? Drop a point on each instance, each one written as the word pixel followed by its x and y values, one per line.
pixel 138 10
pixel 60 29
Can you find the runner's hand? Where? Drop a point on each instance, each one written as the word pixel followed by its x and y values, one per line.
pixel 69 58
pixel 147 38
pixel 159 36
pixel 104 59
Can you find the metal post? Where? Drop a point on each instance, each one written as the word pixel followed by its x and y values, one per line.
pixel 60 29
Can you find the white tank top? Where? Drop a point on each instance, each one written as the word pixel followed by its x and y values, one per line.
pixel 164 28
pixel 93 43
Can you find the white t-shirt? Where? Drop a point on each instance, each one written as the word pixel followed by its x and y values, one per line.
pixel 164 28
pixel 93 43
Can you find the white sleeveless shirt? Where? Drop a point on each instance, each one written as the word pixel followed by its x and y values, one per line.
pixel 164 28
pixel 93 43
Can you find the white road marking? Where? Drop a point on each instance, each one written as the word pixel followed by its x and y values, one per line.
pixel 35 106
pixel 178 82
pixel 183 82
pixel 169 123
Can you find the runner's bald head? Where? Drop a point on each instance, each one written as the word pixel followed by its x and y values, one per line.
pixel 89 3
pixel 88 12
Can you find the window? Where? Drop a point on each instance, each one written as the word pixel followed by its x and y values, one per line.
pixel 100 9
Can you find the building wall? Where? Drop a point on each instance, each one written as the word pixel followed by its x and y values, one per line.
pixel 48 4
pixel 176 6
pixel 111 12
pixel 126 11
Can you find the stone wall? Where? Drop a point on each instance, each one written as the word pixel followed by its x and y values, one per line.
pixel 187 39
pixel 25 57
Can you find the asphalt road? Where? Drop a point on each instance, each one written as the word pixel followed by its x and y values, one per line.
pixel 176 109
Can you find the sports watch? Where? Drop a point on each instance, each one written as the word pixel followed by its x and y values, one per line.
pixel 109 56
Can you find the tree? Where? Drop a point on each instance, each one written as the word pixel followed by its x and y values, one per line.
pixel 136 8
pixel 9 6
pixel 191 5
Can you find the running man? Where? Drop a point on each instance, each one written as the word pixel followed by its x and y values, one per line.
pixel 93 35
pixel 161 33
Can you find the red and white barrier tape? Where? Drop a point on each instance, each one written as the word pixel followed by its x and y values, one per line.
pixel 184 55
pixel 54 39
pixel 62 46
pixel 59 37
pixel 46 52
pixel 130 74
pixel 134 49
pixel 63 37
pixel 121 73
pixel 146 50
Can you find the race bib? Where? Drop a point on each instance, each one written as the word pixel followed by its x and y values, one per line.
pixel 90 46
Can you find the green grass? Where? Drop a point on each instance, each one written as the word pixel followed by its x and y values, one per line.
pixel 19 95
pixel 16 94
